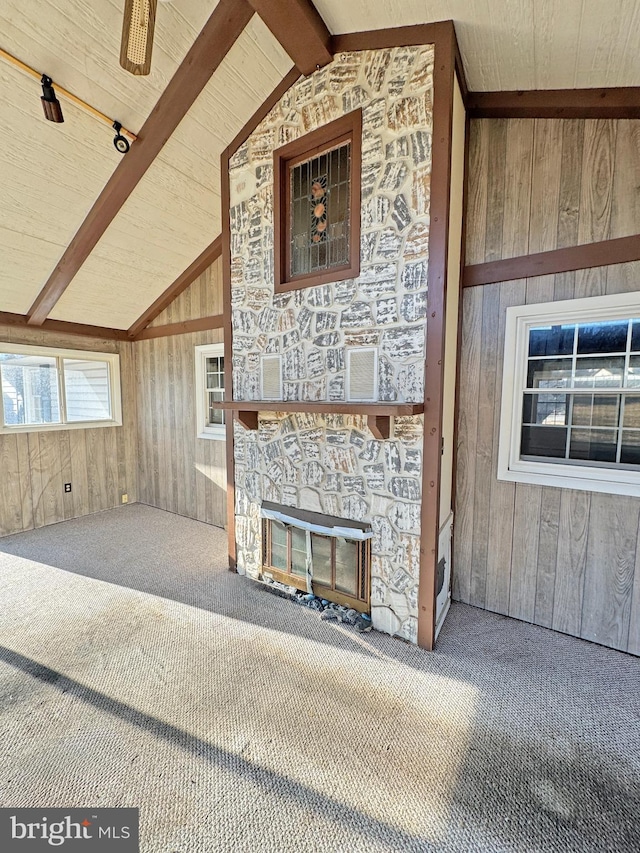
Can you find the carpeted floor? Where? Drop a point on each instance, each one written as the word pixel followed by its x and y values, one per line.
pixel 136 671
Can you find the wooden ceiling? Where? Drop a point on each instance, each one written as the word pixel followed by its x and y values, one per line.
pixel 52 174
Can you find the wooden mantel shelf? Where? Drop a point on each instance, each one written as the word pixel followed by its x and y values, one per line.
pixel 378 415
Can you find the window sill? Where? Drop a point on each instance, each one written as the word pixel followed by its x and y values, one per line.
pixel 584 479
pixel 215 436
pixel 19 428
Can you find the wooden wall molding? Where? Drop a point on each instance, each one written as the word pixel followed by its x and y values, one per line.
pixel 299 28
pixel 225 25
pixel 556 103
pixel 587 256
pixel 184 327
pixel 201 263
pixel 443 92
pixel 393 37
pixel 21 321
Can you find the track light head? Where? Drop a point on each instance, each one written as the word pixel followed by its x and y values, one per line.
pixel 50 104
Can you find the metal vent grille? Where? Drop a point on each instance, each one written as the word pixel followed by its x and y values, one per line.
pixel 362 374
pixel 272 377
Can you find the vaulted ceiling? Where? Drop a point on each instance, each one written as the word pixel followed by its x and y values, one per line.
pixel 51 175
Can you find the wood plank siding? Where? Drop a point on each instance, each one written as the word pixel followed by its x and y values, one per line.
pixel 178 471
pixel 565 559
pixel 100 463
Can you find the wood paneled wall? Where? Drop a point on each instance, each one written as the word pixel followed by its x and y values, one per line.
pixel 568 560
pixel 179 472
pixel 100 464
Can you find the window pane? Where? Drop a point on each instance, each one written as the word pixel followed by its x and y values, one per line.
pixel 319 211
pixel 278 546
pixel 606 372
pixel 630 448
pixel 635 335
pixel 633 376
pixel 548 409
pixel 87 390
pixel 552 373
pixel 321 555
pixel 596 445
pixel 298 551
pixel 595 410
pixel 29 389
pixel 346 566
pixel 551 340
pixel 631 411
pixel 214 377
pixel 603 337
pixel 548 441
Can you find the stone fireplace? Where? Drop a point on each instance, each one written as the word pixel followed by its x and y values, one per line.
pixel 324 465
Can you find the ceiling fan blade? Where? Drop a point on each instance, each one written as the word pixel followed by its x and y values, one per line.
pixel 137 35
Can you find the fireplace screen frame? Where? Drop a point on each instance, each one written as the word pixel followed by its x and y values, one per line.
pixel 305 582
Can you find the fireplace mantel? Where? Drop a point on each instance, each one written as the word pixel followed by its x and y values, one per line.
pixel 378 414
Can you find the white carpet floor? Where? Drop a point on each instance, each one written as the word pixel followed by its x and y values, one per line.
pixel 135 670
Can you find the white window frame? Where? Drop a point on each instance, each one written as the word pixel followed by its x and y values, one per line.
pixel 115 394
pixel 519 319
pixel 217 432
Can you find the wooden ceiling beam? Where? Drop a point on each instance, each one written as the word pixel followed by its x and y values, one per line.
pixel 201 263
pixel 21 321
pixel 298 27
pixel 556 103
pixel 226 23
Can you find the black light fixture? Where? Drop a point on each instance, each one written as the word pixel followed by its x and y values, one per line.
pixel 50 104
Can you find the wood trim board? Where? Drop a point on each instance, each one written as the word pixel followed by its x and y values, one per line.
pixel 200 324
pixel 587 256
pixel 556 103
pixel 21 321
pixel 443 92
pixel 225 25
pixel 299 28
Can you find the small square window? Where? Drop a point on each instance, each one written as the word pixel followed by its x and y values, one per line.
pixel 317 206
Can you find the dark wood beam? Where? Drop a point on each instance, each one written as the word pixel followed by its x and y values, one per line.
pixel 200 324
pixel 437 275
pixel 226 23
pixel 325 408
pixel 621 250
pixel 556 103
pixel 394 37
pixel 201 263
pixel 298 27
pixel 21 321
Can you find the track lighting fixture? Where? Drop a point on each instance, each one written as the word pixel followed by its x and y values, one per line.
pixel 121 142
pixel 50 104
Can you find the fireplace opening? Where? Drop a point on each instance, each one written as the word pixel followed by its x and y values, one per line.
pixel 329 557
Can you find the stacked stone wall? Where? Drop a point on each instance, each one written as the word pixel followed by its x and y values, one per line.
pixel 330 463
